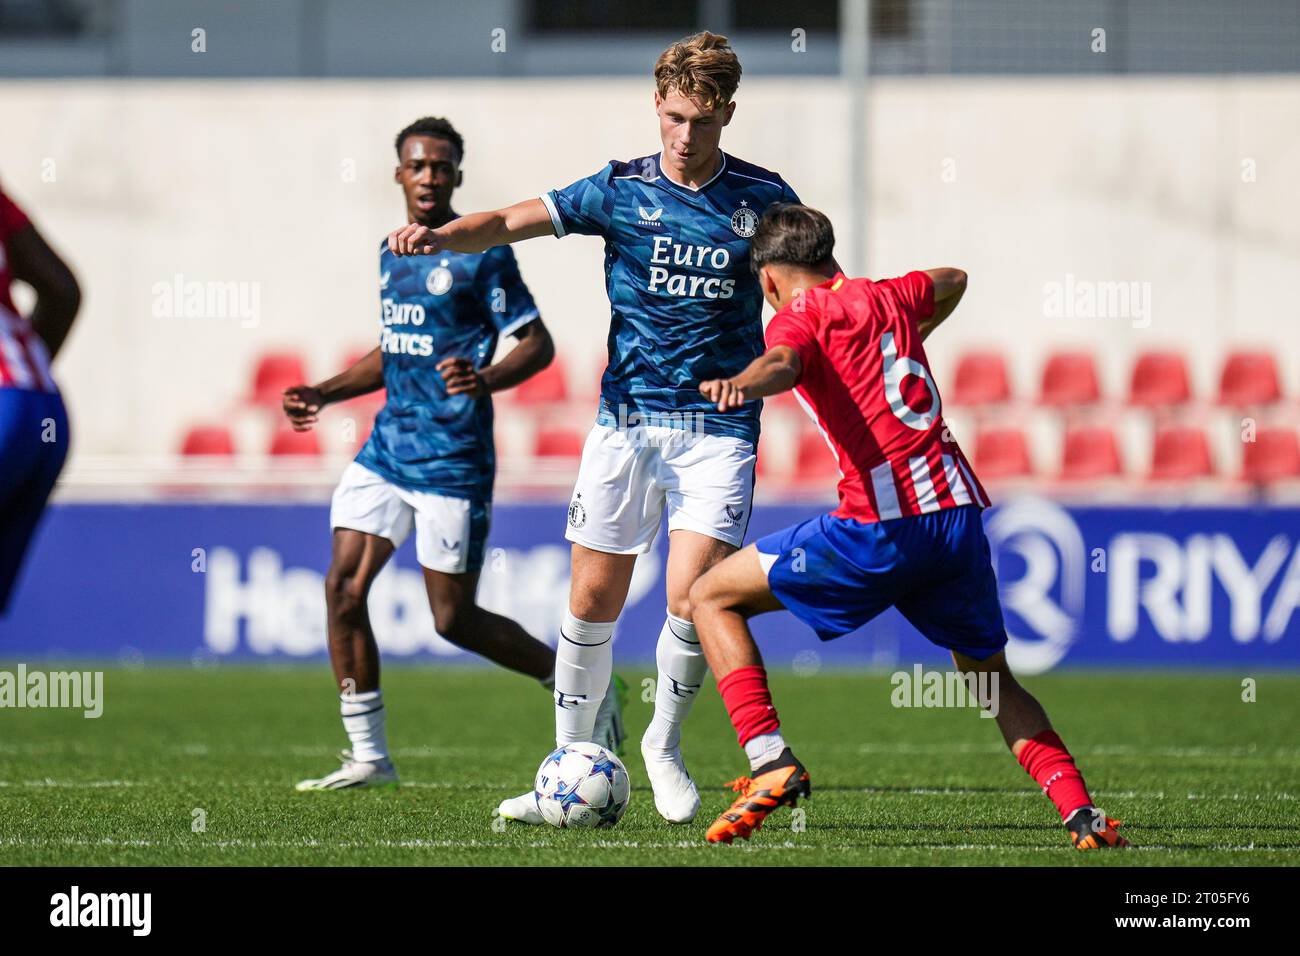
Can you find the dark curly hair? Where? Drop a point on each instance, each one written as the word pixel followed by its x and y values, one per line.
pixel 436 127
pixel 791 234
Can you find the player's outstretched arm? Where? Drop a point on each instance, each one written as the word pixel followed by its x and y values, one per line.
pixel 949 287
pixel 302 403
pixel 476 232
pixel 776 370
pixel 58 297
pixel 533 353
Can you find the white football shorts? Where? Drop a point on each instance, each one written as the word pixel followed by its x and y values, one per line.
pixel 450 533
pixel 627 477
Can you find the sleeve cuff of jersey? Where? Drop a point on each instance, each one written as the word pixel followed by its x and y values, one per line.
pixel 520 322
pixel 556 222
pixel 927 300
pixel 800 348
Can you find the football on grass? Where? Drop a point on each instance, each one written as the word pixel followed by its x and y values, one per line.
pixel 582 785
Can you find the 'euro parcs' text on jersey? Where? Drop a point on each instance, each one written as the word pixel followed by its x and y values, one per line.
pixel 867 384
pixel 450 305
pixel 684 306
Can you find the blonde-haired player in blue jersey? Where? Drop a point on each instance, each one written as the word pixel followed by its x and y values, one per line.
pixel 684 308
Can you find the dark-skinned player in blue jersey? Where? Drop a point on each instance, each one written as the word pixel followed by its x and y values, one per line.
pixel 430 463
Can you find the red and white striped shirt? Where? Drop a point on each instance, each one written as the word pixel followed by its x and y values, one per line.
pixel 24 361
pixel 867 384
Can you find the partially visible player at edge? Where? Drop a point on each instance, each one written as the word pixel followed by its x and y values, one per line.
pixel 907 532
pixel 429 463
pixel 684 307
pixel 33 421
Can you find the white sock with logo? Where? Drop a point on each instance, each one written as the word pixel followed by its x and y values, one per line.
pixel 682 667
pixel 363 719
pixel 584 662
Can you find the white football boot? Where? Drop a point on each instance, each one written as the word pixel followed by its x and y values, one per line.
pixel 521 809
pixel 676 797
pixel 354 773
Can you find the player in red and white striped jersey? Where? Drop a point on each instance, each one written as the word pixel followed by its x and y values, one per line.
pixel 33 422
pixel 907 532
pixel 866 383
pixel 24 360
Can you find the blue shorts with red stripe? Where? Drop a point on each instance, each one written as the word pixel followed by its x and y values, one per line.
pixel 836 574
pixel 33 445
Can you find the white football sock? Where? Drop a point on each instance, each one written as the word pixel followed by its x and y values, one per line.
pixel 584 662
pixel 681 673
pixel 764 749
pixel 363 719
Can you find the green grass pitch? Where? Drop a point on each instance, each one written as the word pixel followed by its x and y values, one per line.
pixel 197 766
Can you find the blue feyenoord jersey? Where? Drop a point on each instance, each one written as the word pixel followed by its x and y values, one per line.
pixel 684 306
pixel 435 307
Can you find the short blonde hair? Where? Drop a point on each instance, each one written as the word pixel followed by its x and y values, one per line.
pixel 702 67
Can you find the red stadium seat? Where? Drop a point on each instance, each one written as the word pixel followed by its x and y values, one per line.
pixel 1249 378
pixel 1274 455
pixel 1181 453
pixel 1159 380
pixel 286 442
pixel 981 379
pixel 558 442
pixel 814 461
pixel 208 440
pixel 275 372
pixel 1002 453
pixel 1070 380
pixel 1089 454
pixel 546 386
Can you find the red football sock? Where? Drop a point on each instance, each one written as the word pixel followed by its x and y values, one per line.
pixel 1045 759
pixel 749 702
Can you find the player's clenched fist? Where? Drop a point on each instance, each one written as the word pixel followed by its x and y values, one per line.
pixel 302 403
pixel 414 239
pixel 724 393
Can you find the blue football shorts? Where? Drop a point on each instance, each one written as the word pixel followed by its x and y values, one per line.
pixel 836 574
pixel 33 446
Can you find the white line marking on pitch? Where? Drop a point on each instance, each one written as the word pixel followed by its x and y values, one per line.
pixel 1030 792
pixel 459 786
pixel 1249 751
pixel 72 784
pixel 698 845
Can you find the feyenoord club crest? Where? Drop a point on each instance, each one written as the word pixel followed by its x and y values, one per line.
pixel 744 221
pixel 577 514
pixel 439 280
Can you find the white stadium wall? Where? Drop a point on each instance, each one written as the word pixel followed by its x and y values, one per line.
pixel 1183 185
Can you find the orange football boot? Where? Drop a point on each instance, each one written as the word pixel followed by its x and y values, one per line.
pixel 780 787
pixel 1091 829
